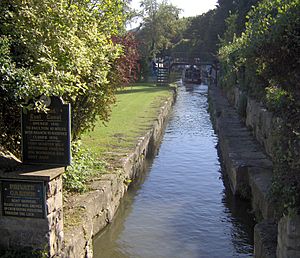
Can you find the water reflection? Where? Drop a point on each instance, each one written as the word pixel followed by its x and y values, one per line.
pixel 180 207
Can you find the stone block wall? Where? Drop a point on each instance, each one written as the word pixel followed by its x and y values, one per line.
pixel 248 168
pixel 288 237
pixel 265 239
pixel 263 125
pixel 45 234
pixel 257 118
pixel 54 207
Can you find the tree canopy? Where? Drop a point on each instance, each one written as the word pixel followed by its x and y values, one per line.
pixel 159 29
pixel 62 48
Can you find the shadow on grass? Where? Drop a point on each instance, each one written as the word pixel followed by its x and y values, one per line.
pixel 142 88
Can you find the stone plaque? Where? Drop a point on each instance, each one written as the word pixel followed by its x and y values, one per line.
pixel 23 199
pixel 46 136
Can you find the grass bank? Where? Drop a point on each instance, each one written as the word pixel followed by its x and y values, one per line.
pixel 136 108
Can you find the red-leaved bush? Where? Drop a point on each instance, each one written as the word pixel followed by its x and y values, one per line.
pixel 126 67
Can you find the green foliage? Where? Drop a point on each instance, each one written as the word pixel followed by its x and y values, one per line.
pixel 269 47
pixel 231 29
pixel 276 98
pixel 160 28
pixel 60 48
pixel 9 104
pixel 84 166
pixel 265 59
pixel 285 188
pixel 272 39
pixel 200 37
pixel 23 253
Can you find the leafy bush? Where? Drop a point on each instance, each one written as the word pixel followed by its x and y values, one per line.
pixel 126 67
pixel 272 39
pixel 9 104
pixel 276 98
pixel 285 188
pixel 61 48
pixel 269 47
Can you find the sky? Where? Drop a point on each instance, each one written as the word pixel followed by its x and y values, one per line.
pixel 189 7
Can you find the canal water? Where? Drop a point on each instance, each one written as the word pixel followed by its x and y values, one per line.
pixel 181 207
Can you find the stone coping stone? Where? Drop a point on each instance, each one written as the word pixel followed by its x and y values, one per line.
pixel 31 172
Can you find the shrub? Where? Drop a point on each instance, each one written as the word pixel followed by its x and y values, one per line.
pixel 84 166
pixel 268 48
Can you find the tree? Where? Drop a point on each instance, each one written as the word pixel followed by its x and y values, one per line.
pixel 200 38
pixel 62 48
pixel 160 26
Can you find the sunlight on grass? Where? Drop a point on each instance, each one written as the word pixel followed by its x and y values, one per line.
pixel 135 111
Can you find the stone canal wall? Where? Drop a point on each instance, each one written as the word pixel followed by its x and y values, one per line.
pixel 89 213
pixel 247 147
pixel 248 167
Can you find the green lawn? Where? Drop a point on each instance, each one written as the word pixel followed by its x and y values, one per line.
pixel 134 112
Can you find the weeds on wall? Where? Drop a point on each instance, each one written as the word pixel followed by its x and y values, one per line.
pixel 84 166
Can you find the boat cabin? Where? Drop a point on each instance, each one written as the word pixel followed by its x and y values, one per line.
pixel 191 74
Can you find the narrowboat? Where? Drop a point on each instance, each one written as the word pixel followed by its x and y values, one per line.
pixel 191 74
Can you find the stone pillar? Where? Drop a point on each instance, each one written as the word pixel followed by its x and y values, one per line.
pixel 289 237
pixel 31 209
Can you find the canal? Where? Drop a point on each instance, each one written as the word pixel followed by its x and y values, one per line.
pixel 181 206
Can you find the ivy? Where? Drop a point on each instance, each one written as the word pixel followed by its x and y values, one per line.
pixel 285 190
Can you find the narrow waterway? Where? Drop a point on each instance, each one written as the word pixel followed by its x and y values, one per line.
pixel 181 207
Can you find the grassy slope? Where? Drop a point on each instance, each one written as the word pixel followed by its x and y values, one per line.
pixel 133 114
